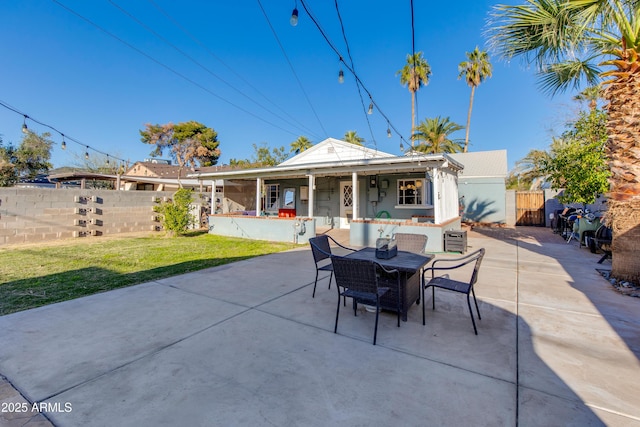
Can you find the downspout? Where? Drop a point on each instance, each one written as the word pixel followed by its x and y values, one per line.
pixel 312 192
pixel 354 184
pixel 258 195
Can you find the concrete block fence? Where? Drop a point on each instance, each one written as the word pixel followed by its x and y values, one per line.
pixel 31 215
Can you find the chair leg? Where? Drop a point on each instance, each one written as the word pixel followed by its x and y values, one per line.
pixel 315 284
pixel 471 313
pixel 476 301
pixel 423 316
pixel 335 330
pixel 433 298
pixel 375 330
pixel 330 277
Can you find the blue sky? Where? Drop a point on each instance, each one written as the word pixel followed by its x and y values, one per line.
pixel 63 71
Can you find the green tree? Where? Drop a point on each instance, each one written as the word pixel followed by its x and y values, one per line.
pixel 28 160
pixel 352 137
pixel 414 75
pixel 475 70
pixel 435 136
pixel 577 163
pixel 591 94
pixel 301 144
pixel 175 215
pixel 568 41
pixel 264 156
pixel 189 143
pixel 528 169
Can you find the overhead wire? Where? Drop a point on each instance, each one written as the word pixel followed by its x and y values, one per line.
pixel 234 72
pixel 170 69
pixel 65 137
pixel 346 42
pixel 350 69
pixel 304 92
pixel 193 60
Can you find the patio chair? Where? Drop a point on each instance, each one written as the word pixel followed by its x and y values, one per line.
pixel 321 250
pixel 410 242
pixel 444 282
pixel 358 279
pixel 602 240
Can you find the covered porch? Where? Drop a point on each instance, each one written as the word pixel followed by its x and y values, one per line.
pixel 373 197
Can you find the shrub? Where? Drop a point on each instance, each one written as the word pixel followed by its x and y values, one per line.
pixel 175 215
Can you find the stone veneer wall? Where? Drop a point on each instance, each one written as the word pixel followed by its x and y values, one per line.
pixel 40 214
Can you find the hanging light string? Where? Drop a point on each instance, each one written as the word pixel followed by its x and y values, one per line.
pixel 200 65
pixel 350 69
pixel 227 66
pixel 293 71
pixel 177 73
pixel 64 136
pixel 344 36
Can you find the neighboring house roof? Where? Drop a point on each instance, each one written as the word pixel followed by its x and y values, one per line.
pixel 483 164
pixel 334 150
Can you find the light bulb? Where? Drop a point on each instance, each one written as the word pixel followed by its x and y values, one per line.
pixel 25 129
pixel 86 153
pixel 401 146
pixel 294 17
pixel 64 144
pixel 370 108
pixel 340 76
pixel 388 132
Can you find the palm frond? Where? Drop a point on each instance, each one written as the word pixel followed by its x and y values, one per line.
pixel 559 77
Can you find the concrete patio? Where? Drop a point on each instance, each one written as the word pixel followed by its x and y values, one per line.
pixel 245 344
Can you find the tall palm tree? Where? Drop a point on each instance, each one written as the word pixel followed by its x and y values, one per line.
pixel 569 41
pixel 475 70
pixel 353 137
pixel 300 144
pixel 435 134
pixel 414 75
pixel 591 94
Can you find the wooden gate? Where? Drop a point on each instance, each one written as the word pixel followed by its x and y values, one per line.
pixel 530 208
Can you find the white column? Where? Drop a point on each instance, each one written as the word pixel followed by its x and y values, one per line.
pixel 258 195
pixel 312 193
pixel 437 200
pixel 356 195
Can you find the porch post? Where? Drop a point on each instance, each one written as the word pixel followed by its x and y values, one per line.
pixel 258 195
pixel 354 184
pixel 437 202
pixel 312 192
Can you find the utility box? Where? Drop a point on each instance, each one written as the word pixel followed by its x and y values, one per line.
pixel 455 241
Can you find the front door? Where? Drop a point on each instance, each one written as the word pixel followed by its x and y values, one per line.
pixel 346 203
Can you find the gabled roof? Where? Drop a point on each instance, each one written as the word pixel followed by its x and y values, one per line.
pixel 483 164
pixel 334 150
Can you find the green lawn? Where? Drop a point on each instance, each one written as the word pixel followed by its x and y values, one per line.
pixel 36 275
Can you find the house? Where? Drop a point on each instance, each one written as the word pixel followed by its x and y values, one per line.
pixel 342 185
pixel 482 186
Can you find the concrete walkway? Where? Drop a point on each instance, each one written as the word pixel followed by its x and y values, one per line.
pixel 245 344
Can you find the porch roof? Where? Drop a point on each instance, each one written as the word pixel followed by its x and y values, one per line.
pixel 372 166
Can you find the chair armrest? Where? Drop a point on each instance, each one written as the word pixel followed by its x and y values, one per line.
pixel 459 262
pixel 342 246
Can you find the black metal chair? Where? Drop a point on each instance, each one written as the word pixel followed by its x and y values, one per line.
pixel 411 242
pixel 358 279
pixel 602 240
pixel 321 250
pixel 444 282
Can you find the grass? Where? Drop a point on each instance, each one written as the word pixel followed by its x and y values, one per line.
pixel 36 275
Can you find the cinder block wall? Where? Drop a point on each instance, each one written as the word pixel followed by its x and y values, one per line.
pixel 38 214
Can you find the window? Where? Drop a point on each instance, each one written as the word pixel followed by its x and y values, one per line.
pixel 414 192
pixel 272 197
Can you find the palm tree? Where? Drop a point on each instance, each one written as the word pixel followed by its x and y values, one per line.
pixel 591 94
pixel 414 74
pixel 474 70
pixel 569 41
pixel 353 137
pixel 300 144
pixel 435 134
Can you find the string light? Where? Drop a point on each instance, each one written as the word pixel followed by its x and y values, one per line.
pixel 107 160
pixel 340 76
pixel 63 144
pixel 388 131
pixel 370 111
pixel 294 16
pixel 401 145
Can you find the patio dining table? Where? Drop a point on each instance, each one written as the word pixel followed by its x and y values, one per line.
pixel 409 266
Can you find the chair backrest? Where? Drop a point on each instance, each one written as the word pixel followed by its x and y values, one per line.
pixel 320 248
pixel 410 242
pixel 355 274
pixel 603 233
pixel 477 257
